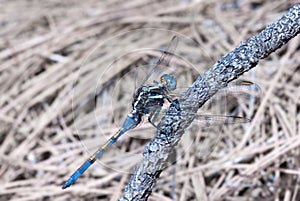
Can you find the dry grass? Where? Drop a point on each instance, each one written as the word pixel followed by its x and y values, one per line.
pixel 56 55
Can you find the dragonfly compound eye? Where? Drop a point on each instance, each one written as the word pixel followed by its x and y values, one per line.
pixel 169 81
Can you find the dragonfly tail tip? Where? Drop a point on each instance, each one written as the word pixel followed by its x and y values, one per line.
pixel 66 185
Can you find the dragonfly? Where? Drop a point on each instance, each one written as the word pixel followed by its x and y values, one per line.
pixel 149 100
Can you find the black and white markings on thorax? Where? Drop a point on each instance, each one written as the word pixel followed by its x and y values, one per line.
pixel 148 99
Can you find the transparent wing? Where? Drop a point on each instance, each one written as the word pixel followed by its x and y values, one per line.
pixel 155 70
pixel 209 115
pixel 142 73
pixel 205 119
pixel 242 88
pixel 236 99
pixel 215 118
pixel 205 132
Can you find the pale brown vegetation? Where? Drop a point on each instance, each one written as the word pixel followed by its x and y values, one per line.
pixel 54 57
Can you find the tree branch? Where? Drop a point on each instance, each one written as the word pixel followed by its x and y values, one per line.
pixel 158 151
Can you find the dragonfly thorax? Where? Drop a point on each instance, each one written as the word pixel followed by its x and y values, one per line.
pixel 148 99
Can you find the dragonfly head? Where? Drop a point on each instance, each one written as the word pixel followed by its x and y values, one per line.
pixel 169 81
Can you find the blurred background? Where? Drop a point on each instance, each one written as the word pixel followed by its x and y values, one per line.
pixel 58 57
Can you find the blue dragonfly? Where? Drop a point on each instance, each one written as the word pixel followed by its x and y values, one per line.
pixel 148 100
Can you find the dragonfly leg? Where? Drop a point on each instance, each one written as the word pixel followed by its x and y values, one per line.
pixel 149 119
pixel 153 116
pixel 155 82
pixel 169 98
